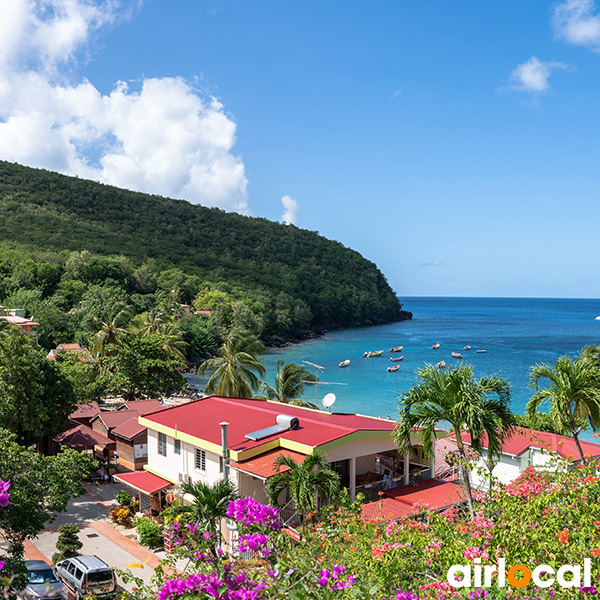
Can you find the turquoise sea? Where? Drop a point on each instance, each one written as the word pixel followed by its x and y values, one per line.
pixel 515 333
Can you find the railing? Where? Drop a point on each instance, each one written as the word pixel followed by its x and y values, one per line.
pixel 420 475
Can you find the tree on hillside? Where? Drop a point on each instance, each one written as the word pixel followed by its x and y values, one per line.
pixel 84 374
pixel 476 407
pixel 40 487
pixel 36 398
pixel 111 329
pixel 290 382
pixel 573 394
pixel 236 367
pixel 304 481
pixel 143 368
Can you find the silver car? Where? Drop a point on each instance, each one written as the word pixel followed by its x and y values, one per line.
pixel 42 583
pixel 87 575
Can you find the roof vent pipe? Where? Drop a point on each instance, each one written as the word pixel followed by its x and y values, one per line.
pixel 225 448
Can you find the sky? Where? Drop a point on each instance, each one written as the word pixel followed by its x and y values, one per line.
pixel 454 144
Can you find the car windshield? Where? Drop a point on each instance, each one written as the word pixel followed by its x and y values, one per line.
pixel 42 576
pixel 99 576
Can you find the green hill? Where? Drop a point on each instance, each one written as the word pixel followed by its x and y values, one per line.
pixel 46 217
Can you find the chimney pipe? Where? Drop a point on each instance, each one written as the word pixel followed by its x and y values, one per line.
pixel 225 447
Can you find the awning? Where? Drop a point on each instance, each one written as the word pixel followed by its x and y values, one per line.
pixel 144 482
pixel 261 466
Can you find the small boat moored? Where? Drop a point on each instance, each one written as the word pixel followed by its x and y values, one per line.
pixel 480 351
pixel 396 358
pixel 441 364
pixel 435 346
pixel 376 353
pixel 467 347
pixel 344 363
pixel 396 349
pixel 395 368
pixel 456 355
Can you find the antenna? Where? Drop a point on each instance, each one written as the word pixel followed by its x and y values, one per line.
pixel 328 401
pixel 316 382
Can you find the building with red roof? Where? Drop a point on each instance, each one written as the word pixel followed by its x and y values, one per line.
pixel 185 443
pixel 529 447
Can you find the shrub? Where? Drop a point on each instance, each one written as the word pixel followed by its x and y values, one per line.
pixel 121 515
pixel 123 498
pixel 68 543
pixel 149 532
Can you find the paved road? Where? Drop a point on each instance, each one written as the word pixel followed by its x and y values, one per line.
pixel 117 548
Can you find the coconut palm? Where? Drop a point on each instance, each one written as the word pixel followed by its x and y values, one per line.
pixel 304 481
pixel 573 394
pixel 478 407
pixel 236 367
pixel 290 382
pixel 158 321
pixel 208 506
pixel 591 353
pixel 111 329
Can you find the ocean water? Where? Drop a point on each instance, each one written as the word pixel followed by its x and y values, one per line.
pixel 516 333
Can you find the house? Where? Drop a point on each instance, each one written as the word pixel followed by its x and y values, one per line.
pixel 68 348
pixel 85 412
pixel 16 316
pixel 187 443
pixel 123 428
pixel 525 448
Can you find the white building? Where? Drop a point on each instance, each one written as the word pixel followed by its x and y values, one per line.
pixel 526 448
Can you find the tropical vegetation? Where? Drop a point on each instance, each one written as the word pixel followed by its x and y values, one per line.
pixel 476 407
pixel 290 383
pixel 64 237
pixel 573 394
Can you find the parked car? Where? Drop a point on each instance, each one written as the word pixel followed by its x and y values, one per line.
pixel 42 583
pixel 87 575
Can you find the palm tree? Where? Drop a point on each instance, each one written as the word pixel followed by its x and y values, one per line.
pixel 303 481
pixel 158 321
pixel 235 367
pixel 591 353
pixel 478 407
pixel 111 329
pixel 290 382
pixel 573 394
pixel 209 504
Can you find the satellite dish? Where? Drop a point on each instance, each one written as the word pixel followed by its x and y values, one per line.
pixel 328 400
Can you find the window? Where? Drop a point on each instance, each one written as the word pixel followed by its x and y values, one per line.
pixel 162 444
pixel 200 459
pixel 177 447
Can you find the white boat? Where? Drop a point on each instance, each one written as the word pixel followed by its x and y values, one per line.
pixel 344 363
pixel 597 318
pixel 480 351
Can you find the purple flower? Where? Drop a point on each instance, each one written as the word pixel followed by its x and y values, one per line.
pixel 589 591
pixel 400 595
pixel 230 587
pixel 478 595
pixel 4 495
pixel 254 542
pixel 2 563
pixel 333 581
pixel 251 512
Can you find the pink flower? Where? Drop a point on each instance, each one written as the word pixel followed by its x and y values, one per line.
pixel 4 495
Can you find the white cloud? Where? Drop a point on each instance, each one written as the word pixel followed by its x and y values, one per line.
pixel 433 263
pixel 164 138
pixel 533 75
pixel 575 22
pixel 396 94
pixel 290 216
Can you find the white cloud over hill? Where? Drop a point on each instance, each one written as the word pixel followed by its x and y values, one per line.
pixel 165 138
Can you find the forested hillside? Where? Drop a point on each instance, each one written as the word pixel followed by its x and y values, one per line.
pixel 289 280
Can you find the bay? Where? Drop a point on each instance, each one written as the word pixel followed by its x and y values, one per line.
pixel 515 333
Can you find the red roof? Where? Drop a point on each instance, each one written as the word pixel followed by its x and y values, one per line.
pixel 431 494
pixel 523 439
pixel 143 407
pixel 201 419
pixel 130 429
pixel 114 418
pixel 262 465
pixel 144 481
pixel 19 321
pixel 85 410
pixel 203 312
pixel 82 436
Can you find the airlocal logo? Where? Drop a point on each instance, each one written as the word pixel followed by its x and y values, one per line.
pixel 543 576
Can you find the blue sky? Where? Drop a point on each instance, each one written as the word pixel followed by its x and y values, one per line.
pixel 454 144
